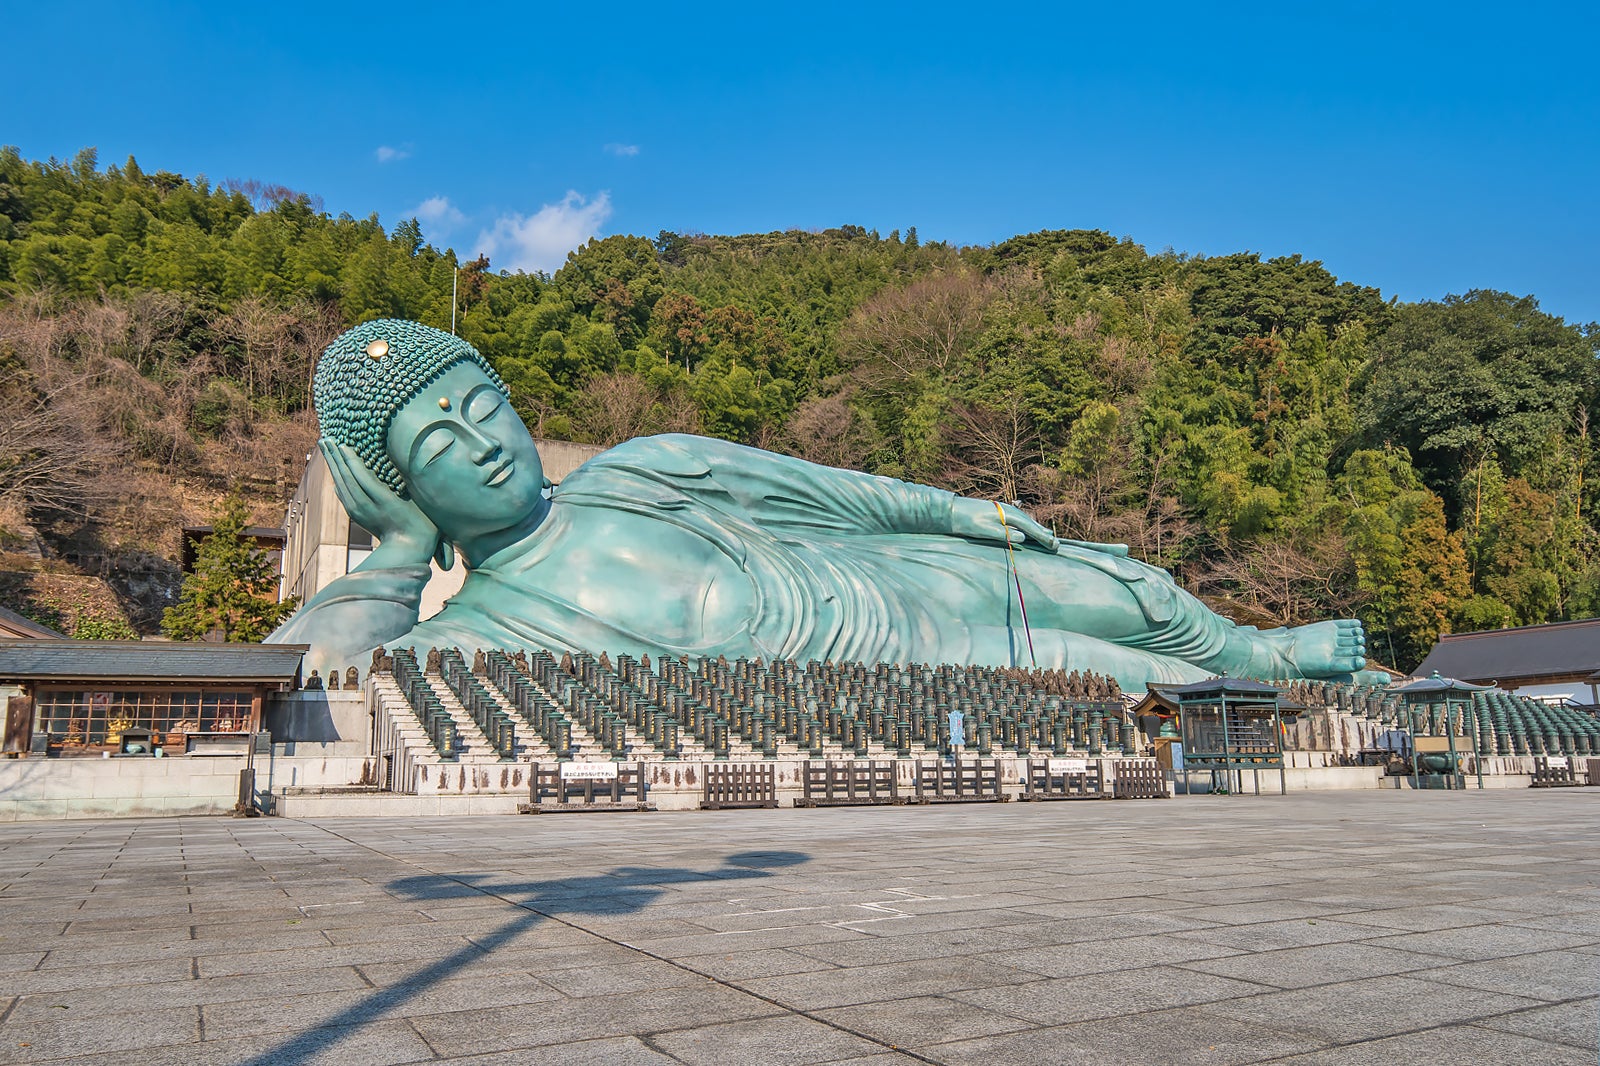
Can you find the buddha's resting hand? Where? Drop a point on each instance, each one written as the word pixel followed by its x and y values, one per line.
pixel 405 535
pixel 980 520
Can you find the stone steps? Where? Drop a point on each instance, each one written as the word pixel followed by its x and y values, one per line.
pixel 415 737
pixel 472 745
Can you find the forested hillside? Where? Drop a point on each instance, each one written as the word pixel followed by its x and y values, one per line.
pixel 1293 446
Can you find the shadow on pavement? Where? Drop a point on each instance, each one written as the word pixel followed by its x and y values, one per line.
pixel 625 890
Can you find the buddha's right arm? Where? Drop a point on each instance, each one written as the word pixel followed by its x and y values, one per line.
pixel 354 614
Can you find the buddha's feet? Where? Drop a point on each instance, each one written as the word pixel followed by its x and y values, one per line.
pixel 1325 649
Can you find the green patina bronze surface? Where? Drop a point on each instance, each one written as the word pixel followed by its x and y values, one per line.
pixel 683 545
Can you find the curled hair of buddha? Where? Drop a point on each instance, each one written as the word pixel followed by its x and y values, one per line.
pixel 370 372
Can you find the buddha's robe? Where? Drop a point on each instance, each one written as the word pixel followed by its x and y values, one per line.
pixel 681 545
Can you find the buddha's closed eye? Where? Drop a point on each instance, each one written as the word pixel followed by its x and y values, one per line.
pixel 484 405
pixel 438 441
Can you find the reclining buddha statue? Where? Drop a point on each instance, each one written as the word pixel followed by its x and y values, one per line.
pixel 681 545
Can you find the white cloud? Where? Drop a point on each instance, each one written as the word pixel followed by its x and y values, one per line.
pixel 622 149
pixel 389 154
pixel 439 215
pixel 542 240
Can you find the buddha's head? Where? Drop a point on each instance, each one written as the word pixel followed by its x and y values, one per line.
pixel 431 419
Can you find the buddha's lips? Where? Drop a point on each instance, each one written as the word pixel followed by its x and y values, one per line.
pixel 500 473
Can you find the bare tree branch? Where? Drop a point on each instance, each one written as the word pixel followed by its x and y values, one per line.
pixel 921 329
pixel 618 406
pixel 992 448
pixel 829 431
pixel 48 457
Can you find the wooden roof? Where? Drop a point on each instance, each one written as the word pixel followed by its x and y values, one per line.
pixel 149 660
pixel 1559 651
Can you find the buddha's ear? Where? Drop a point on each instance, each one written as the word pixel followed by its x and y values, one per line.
pixel 445 554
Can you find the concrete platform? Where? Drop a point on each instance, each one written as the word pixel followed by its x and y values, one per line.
pixel 1352 927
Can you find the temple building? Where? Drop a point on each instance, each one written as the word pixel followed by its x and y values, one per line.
pixel 1545 661
pixel 88 697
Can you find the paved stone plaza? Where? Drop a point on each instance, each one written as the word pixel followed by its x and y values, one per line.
pixel 1352 928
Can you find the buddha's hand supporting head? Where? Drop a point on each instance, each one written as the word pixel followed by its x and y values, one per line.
pixel 395 522
pixel 425 416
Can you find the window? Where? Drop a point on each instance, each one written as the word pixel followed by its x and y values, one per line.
pixel 85 717
pixel 360 546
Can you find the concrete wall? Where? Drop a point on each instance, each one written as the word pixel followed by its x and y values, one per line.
pixel 561 457
pixel 319 723
pixel 1326 778
pixel 316 533
pixel 276 774
pixel 499 787
pixel 391 805
pixel 320 740
pixel 671 785
pixel 316 548
pixel 131 787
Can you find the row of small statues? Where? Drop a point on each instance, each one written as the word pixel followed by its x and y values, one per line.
pixel 1072 685
pixel 352 680
pixel 1311 693
pixel 1077 685
pixel 480 664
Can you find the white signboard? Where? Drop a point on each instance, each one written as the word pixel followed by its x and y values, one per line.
pixel 1069 766
pixel 588 771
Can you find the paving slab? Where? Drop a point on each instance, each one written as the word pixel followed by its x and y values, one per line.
pixel 1386 927
pixel 923 1020
pixel 1107 995
pixel 1573 1023
pixel 1433 1046
pixel 1183 1036
pixel 868 984
pixel 616 1051
pixel 1548 975
pixel 1364 1010
pixel 1319 965
pixel 782 1040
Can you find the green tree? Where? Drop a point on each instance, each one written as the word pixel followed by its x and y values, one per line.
pixel 1411 572
pixel 1521 567
pixel 1432 578
pixel 232 590
pixel 1485 374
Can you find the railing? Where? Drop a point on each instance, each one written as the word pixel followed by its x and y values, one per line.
pixel 440 727
pixel 959 782
pixel 1139 779
pixel 1062 779
pixel 573 786
pixel 485 710
pixel 849 784
pixel 741 785
pixel 1553 773
pixel 531 702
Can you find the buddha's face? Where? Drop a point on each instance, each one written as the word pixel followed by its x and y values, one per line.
pixel 466 457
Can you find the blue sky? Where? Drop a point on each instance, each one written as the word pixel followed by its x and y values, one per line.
pixel 1424 149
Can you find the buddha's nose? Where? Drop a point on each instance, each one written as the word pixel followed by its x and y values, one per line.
pixel 483 447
